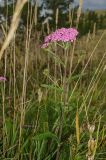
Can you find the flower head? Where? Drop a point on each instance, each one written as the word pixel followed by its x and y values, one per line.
pixel 2 78
pixel 63 34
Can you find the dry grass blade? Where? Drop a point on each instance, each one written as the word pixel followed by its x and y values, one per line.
pixel 77 128
pixel 14 25
pixel 57 16
pixel 79 12
pixel 84 68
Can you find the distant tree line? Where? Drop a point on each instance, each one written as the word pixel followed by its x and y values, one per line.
pixel 91 19
pixel 87 20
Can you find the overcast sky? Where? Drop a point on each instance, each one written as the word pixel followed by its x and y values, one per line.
pixel 88 4
pixel 93 4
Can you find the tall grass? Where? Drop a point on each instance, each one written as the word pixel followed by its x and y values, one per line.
pixel 53 103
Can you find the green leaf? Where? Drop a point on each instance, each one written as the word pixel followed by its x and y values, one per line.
pixel 52 87
pixel 45 136
pixel 76 77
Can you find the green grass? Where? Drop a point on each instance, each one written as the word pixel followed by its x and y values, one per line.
pixel 50 99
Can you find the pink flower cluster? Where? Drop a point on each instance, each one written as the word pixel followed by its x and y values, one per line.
pixel 3 79
pixel 63 34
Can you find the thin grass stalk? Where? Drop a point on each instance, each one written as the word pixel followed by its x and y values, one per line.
pixel 65 85
pixel 3 30
pixel 55 72
pixel 71 13
pixel 99 72
pixel 3 92
pixel 24 80
pixel 99 94
pixel 6 22
pixel 92 53
pixel 14 77
pixel 77 128
pixel 91 96
pixel 3 113
pixel 48 27
pixel 70 18
pixel 55 68
pixel 4 122
pixel 91 93
pixel 29 29
pixel 79 12
pixel 93 82
pixel 14 70
pixel 94 30
pixel 35 14
pixel 97 137
pixel 35 20
pixel 57 17
pixel 87 40
pixel 14 25
pixel 77 22
pixel 72 57
pixel 64 100
pixel 74 44
pixel 99 68
pixel 93 88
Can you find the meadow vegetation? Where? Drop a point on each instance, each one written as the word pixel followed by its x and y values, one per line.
pixel 53 103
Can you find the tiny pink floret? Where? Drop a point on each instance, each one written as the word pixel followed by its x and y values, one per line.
pixel 3 79
pixel 63 34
